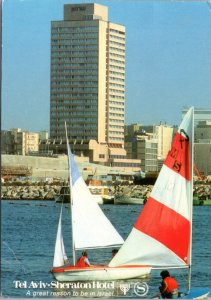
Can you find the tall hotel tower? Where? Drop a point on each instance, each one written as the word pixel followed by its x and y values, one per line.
pixel 88 77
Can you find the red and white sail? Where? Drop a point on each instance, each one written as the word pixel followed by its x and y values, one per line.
pixel 161 236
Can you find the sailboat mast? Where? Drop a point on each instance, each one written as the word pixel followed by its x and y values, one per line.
pixel 71 199
pixel 191 201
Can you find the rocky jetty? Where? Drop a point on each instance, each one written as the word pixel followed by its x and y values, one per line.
pixel 46 191
pixel 27 190
pixel 202 192
pixel 30 192
pixel 132 191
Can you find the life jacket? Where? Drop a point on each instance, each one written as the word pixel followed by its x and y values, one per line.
pixel 81 262
pixel 171 284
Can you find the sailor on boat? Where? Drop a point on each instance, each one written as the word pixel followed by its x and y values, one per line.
pixel 169 286
pixel 83 261
pixel 114 252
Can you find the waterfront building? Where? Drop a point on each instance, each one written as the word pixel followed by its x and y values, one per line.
pixel 203 130
pixel 88 84
pixel 135 129
pixel 16 141
pixel 43 135
pixel 27 143
pixel 92 150
pixel 164 136
pixel 158 139
pixel 7 142
pixel 200 114
pixel 87 75
pixel 145 148
pixel 202 147
pixel 202 136
pixel 160 163
pixel 202 155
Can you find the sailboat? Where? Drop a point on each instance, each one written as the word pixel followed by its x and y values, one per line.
pixel 91 229
pixel 163 231
pixel 161 236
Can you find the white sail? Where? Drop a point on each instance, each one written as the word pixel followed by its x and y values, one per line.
pixel 91 228
pixel 60 256
pixel 161 235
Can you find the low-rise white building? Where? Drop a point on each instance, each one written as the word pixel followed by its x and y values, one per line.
pixel 27 142
pixel 16 141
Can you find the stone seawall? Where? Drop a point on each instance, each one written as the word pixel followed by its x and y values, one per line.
pixel 46 191
pixel 49 191
pixel 31 192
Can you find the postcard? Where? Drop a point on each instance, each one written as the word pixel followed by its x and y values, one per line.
pixel 106 149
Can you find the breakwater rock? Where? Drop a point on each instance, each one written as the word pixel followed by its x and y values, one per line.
pixel 202 191
pixel 49 192
pixel 132 191
pixel 46 192
pixel 41 191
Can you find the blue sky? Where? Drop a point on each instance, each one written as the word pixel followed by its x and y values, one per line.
pixel 168 59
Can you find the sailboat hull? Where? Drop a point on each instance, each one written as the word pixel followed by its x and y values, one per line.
pixel 72 273
pixel 197 293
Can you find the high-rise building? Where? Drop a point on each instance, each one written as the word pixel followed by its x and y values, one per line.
pixel 88 85
pixel 87 76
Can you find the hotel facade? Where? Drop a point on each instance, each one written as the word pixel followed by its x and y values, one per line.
pixel 88 83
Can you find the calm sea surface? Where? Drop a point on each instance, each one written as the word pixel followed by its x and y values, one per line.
pixel 28 238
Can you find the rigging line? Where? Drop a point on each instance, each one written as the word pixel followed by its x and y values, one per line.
pixel 21 264
pixel 185 136
pixel 184 278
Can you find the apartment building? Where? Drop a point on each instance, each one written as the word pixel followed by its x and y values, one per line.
pixel 7 142
pixel 150 143
pixel 145 148
pixel 203 130
pixel 16 141
pixel 88 83
pixel 202 156
pixel 200 114
pixel 164 135
pixel 202 147
pixel 202 136
pixel 27 143
pixel 87 75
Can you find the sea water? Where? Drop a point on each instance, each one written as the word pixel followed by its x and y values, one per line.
pixel 28 239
